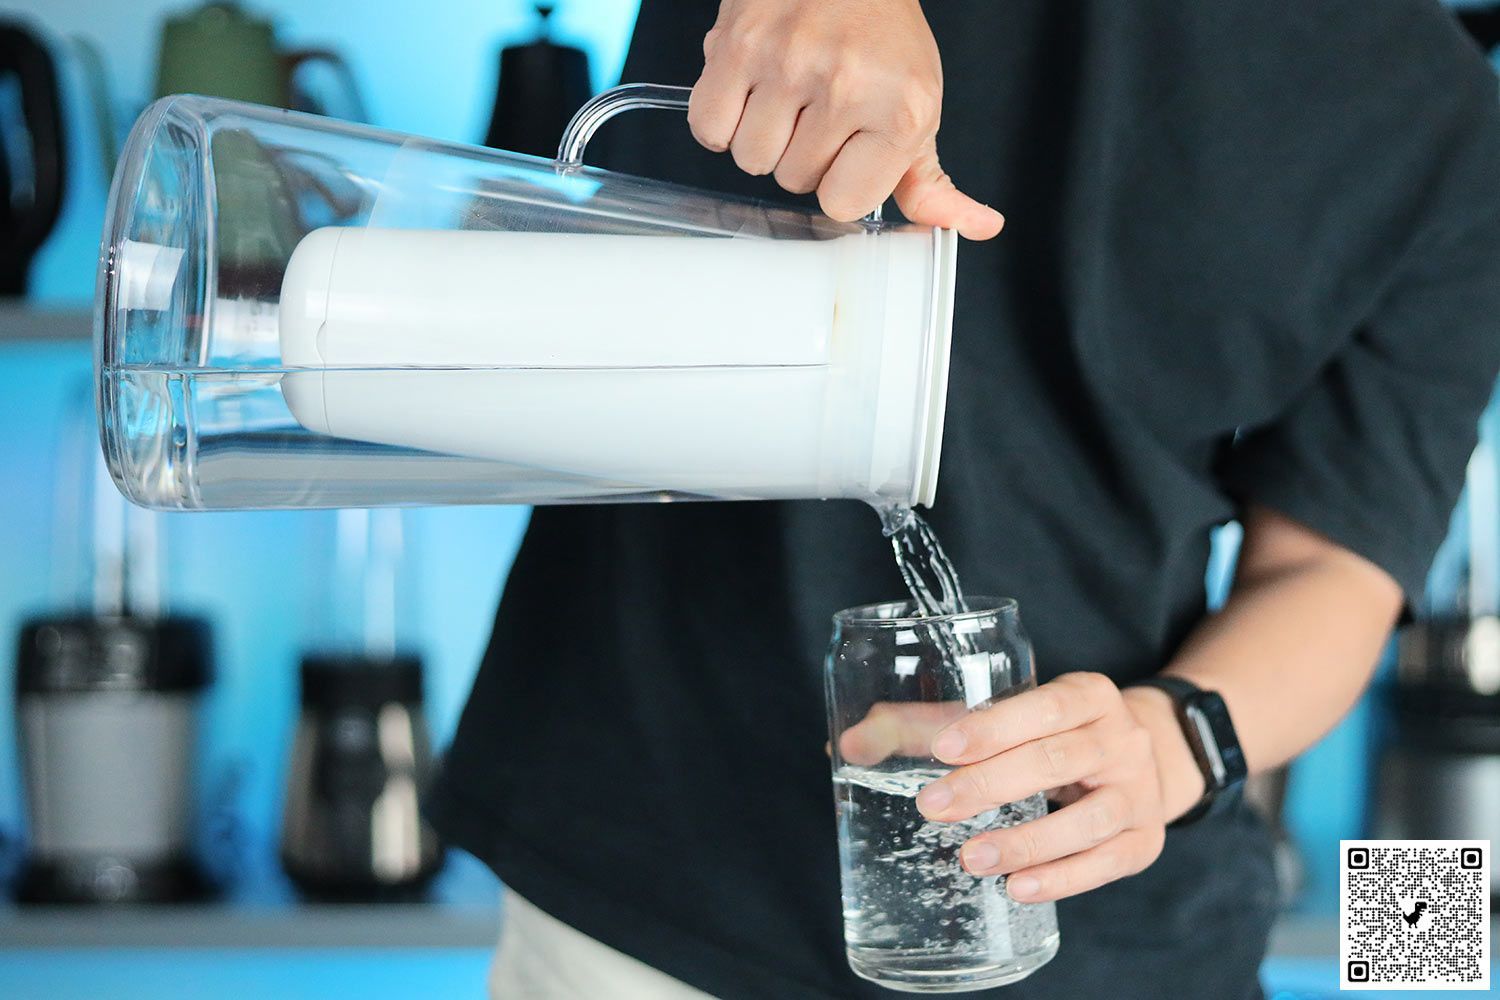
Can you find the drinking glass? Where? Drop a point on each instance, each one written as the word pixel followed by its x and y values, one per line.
pixel 914 919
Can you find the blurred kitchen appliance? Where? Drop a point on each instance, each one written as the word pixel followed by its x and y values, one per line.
pixel 1440 775
pixel 1482 23
pixel 352 827
pixel 107 720
pixel 32 158
pixel 361 756
pixel 465 325
pixel 220 50
pixel 540 85
pixel 101 103
pixel 107 690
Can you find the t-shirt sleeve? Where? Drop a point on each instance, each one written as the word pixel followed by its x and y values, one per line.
pixel 1372 454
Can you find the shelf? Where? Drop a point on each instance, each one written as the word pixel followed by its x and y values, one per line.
pixel 1304 936
pixel 462 912
pixel 322 926
pixel 397 925
pixel 20 323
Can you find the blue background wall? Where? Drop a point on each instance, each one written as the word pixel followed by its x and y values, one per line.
pixel 423 67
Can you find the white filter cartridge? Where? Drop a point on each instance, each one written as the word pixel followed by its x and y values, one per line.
pixel 727 367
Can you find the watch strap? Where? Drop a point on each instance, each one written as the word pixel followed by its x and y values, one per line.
pixel 1180 690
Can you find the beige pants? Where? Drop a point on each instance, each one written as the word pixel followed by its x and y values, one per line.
pixel 542 958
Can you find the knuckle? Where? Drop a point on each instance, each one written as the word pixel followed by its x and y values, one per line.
pixel 915 111
pixel 1093 685
pixel 838 205
pixel 1104 819
pixel 1025 848
pixel 744 42
pixel 752 162
pixel 800 65
pixel 1138 743
pixel 795 181
pixel 847 84
pixel 1049 705
pixel 1055 756
pixel 708 132
pixel 1093 753
pixel 1059 880
pixel 711 41
pixel 977 784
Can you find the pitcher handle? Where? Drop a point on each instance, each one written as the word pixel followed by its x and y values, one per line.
pixel 629 97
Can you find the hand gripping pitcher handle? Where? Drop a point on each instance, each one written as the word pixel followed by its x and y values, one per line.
pixel 618 100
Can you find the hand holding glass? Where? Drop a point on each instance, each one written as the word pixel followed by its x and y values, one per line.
pixel 914 918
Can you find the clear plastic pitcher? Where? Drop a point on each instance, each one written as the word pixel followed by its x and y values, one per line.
pixel 299 312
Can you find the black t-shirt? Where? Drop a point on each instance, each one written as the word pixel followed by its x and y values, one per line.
pixel 1252 253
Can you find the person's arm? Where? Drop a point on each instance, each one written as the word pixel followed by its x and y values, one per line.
pixel 1290 652
pixel 841 97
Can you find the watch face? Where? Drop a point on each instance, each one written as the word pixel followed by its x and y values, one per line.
pixel 1210 718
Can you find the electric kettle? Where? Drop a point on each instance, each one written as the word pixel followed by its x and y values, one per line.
pixel 541 83
pixel 221 50
pixel 419 322
pixel 31 138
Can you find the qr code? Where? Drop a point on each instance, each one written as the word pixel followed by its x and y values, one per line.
pixel 1414 915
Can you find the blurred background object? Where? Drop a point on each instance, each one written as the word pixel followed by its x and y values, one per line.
pixel 220 50
pixel 361 758
pixel 1439 772
pixel 540 85
pixel 32 163
pixel 107 691
pixel 1482 21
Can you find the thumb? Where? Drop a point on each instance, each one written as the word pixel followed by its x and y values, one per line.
pixel 928 197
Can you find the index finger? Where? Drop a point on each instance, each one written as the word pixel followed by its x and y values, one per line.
pixel 863 175
pixel 1068 702
pixel 716 105
pixel 896 729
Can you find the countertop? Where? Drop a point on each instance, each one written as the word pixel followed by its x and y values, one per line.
pixel 20 322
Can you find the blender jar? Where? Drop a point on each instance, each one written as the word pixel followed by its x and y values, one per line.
pixel 299 312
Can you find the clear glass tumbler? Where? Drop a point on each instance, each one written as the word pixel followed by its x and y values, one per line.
pixel 914 919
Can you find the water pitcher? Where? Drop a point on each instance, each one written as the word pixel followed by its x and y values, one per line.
pixel 299 312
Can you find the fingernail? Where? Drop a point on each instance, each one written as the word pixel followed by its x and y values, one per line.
pixel 1022 887
pixel 981 857
pixel 934 797
pixel 949 744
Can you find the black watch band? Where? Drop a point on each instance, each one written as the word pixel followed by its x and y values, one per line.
pixel 1210 735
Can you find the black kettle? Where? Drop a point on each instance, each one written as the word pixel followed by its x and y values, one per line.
pixel 1482 23
pixel 541 85
pixel 31 202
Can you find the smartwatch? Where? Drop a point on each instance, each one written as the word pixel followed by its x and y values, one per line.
pixel 1210 734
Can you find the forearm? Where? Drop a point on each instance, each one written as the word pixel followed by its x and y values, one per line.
pixel 1290 652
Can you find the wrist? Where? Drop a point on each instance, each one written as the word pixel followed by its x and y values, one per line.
pixel 1181 780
